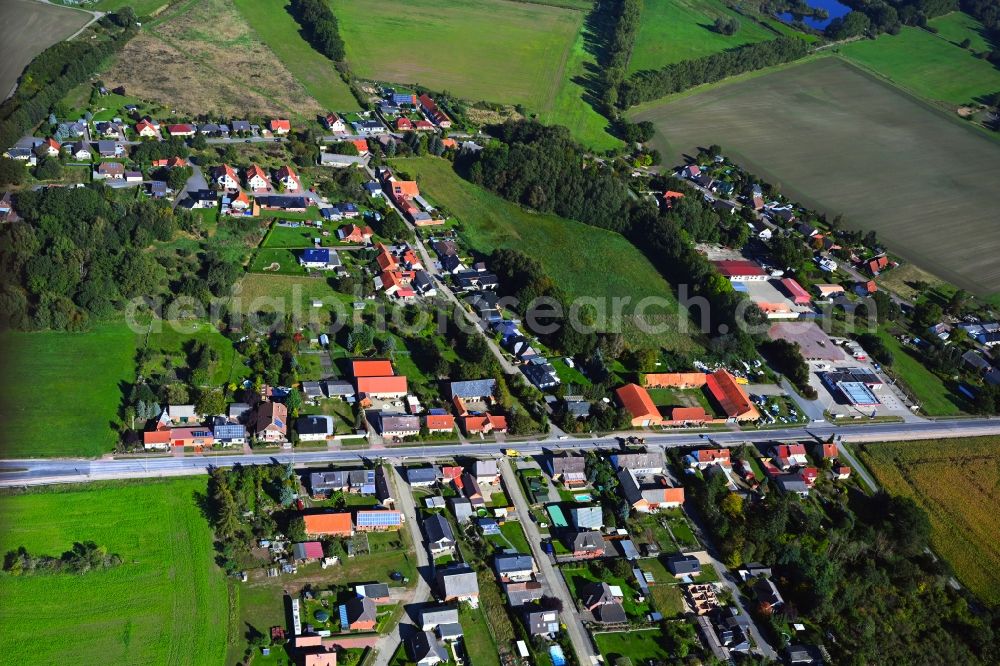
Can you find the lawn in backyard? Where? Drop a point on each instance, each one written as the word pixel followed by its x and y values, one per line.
pixel 639 647
pixel 578 577
pixel 63 390
pixel 957 481
pixel 584 260
pixel 478 640
pixel 276 261
pixel 675 30
pixel 789 127
pixel 140 612
pixel 173 341
pixel 930 65
pixel 514 534
pixel 280 32
pixel 494 50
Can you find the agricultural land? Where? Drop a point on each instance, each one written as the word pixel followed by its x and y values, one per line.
pixel 27 29
pixel 956 482
pixel 920 166
pixel 68 406
pixel 180 61
pixel 584 260
pixel 946 73
pixel 494 50
pixel 166 603
pixel 675 30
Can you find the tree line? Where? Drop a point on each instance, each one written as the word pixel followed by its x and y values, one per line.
pixel 652 84
pixel 857 566
pixel 58 69
pixel 625 15
pixel 319 27
pixel 81 558
pixel 873 18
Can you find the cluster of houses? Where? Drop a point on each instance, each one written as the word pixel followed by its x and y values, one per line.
pixel 721 387
pixel 406 195
pixel 790 469
pixel 401 274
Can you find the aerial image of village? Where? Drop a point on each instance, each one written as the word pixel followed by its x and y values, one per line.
pixel 500 332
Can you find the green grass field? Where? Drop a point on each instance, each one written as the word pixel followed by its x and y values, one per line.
pixel 173 342
pixel 958 26
pixel 790 127
pixel 957 481
pixel 493 50
pixel 63 390
pixel 675 30
pixel 933 394
pixel 928 65
pixel 166 604
pixel 570 106
pixel 583 260
pixel 279 31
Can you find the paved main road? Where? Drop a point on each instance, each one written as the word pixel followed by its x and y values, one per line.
pixel 20 472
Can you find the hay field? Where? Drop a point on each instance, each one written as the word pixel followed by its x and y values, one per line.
pixel 675 30
pixel 186 62
pixel 957 481
pixel 27 29
pixel 167 603
pixel 842 141
pixel 494 50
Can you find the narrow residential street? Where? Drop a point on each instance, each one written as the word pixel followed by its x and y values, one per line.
pixel 586 654
pixel 425 257
pixel 386 645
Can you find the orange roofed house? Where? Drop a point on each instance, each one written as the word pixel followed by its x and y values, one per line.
pixel 731 397
pixel 439 423
pixel 639 405
pixel 279 126
pixel 329 524
pixel 383 387
pixel 372 368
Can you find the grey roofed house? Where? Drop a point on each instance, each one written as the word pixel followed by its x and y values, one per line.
pixel 629 551
pixel 588 542
pixel 361 609
pixel 976 361
pixel 757 569
pixel 486 469
pixel 338 388
pixel 434 502
pixel 327 482
pixel 458 582
pixel 462 508
pixel 767 592
pixel 792 483
pixel 450 631
pixel 473 389
pixel 383 489
pixel 238 410
pixel 800 654
pixel 398 423
pixel 313 425
pixel 587 517
pixel 451 263
pixel 683 565
pixel 640 463
pixel 514 565
pixel 108 148
pixel 423 476
pixel 241 126
pixel 424 649
pixel 541 373
pixel 613 613
pixel 157 189
pixel 432 617
pixel 596 594
pixel 568 466
pixel 439 534
pixel 519 594
pixel 422 282
pixel 542 623
pixel 629 486
pixel 372 591
pixel 578 409
pixel 312 390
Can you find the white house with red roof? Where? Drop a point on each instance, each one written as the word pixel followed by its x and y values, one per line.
pixel 289 179
pixel 49 147
pixel 787 456
pixel 147 128
pixel 280 126
pixel 257 178
pixel 225 177
pixel 183 129
pixel 335 123
pixel 705 458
